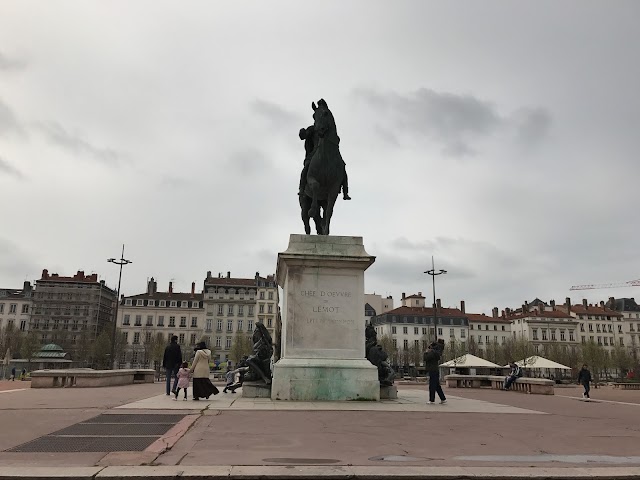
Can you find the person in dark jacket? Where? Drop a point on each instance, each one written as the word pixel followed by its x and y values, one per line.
pixel 171 363
pixel 432 366
pixel 514 374
pixel 584 379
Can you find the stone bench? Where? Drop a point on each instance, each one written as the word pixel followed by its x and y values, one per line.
pixel 86 377
pixel 627 386
pixel 539 386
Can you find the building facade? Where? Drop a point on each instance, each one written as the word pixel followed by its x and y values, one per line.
pixel 630 311
pixel 15 307
pixel 486 330
pixel 66 308
pixel 596 323
pixel 233 305
pixel 376 305
pixel 147 321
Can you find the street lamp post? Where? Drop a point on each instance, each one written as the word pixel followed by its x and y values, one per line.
pixel 120 262
pixel 433 274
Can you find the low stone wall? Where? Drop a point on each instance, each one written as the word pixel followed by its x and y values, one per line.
pixel 85 377
pixel 627 386
pixel 538 386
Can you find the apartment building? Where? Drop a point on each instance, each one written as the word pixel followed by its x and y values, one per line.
pixel 151 318
pixel 233 305
pixel 65 308
pixel 15 307
pixel 596 323
pixel 413 325
pixel 630 311
pixel 376 305
pixel 488 330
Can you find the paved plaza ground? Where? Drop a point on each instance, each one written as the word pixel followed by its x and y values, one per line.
pixel 477 430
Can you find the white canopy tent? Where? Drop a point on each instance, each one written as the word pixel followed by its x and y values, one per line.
pixel 469 361
pixel 537 362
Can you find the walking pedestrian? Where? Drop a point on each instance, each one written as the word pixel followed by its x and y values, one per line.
pixel 432 366
pixel 13 374
pixel 202 386
pixel 183 380
pixel 171 362
pixel 584 379
pixel 231 378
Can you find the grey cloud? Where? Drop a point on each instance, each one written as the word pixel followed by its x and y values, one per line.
pixel 532 125
pixel 8 121
pixel 277 116
pixel 7 63
pixel 175 182
pixel 249 162
pixel 77 145
pixel 8 169
pixel 14 263
pixel 456 121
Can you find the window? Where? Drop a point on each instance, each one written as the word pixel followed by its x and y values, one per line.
pixel 173 303
pixel 239 325
pixel 416 344
pixel 261 308
pixel 147 337
pixel 23 325
pixel 261 295
pixel 228 342
pixel 562 335
pixel 471 327
pixel 184 304
pixel 136 338
pixel 584 340
pixel 125 337
pixel 149 320
pixel 270 295
pixel 571 335
pixel 415 330
pixel 599 340
pixel 270 309
pixel 161 320
pixel 439 331
pixel 598 327
pixel 220 309
pixel 127 302
pixel 249 325
pixel 218 342
pixel 194 322
pixel 219 325
pixel 535 334
pixel 192 339
pixel 424 330
pixel 183 322
pixel 404 330
pixel 452 332
pixel 405 344
pixel 393 329
pixel 208 327
pixel 270 322
pixel 591 327
pixel 13 308
pixel 195 304
pixel 181 339
pixel 240 310
pixel 127 320
pixel 151 303
pixel 163 303
pixel 25 308
pixel 395 343
pixel 169 337
pixel 138 320
pixel 553 334
pixel 582 327
pixel 621 342
pixel 139 303
pixel 172 321
pixel 134 357
pixel 619 328
pixel 487 339
pixel 250 310
pixel 606 341
pixel 544 334
pixel 463 333
pixel 229 325
pixel 230 310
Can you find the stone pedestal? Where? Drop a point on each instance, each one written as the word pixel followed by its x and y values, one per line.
pixel 322 340
pixel 256 390
pixel 388 392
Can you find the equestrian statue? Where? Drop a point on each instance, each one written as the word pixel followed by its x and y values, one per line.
pixel 324 173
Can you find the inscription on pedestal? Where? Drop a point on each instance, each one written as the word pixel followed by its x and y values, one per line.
pixel 324 314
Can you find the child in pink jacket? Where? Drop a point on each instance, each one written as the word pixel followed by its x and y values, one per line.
pixel 183 380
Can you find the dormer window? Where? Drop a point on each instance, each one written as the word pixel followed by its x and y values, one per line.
pixel 151 303
pixel 162 303
pixel 195 304
pixel 139 303
pixel 127 302
pixel 184 304
pixel 173 303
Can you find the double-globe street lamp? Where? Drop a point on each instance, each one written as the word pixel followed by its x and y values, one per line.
pixel 433 274
pixel 120 262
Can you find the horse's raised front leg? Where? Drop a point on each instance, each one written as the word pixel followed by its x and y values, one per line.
pixel 328 211
pixel 304 213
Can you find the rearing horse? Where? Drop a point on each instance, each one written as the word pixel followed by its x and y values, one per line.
pixel 326 172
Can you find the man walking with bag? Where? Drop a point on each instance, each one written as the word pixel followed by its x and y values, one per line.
pixel 432 366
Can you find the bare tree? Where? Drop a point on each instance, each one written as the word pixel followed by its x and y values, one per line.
pixel 29 347
pixel 241 346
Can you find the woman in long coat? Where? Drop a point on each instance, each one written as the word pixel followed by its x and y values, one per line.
pixel 202 386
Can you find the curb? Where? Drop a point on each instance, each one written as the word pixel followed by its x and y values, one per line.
pixel 316 472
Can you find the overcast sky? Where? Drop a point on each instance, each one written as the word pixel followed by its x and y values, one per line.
pixel 500 137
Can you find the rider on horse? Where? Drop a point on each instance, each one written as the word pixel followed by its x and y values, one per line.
pixel 310 138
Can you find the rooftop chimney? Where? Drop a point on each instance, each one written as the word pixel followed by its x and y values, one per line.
pixel 462 306
pixel 26 286
pixel 494 312
pixel 507 311
pixel 612 303
pixel 584 303
pixel 567 302
pixel 228 274
pixel 170 288
pixel 438 303
pixel 45 274
pixel 403 295
pixel 80 275
pixel 209 274
pixel 525 307
pixel 193 289
pixel 553 304
pixel 601 304
pixel 419 294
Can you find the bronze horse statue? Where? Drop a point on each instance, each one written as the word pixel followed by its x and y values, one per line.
pixel 326 172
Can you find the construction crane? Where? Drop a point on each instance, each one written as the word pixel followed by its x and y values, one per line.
pixel 630 283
